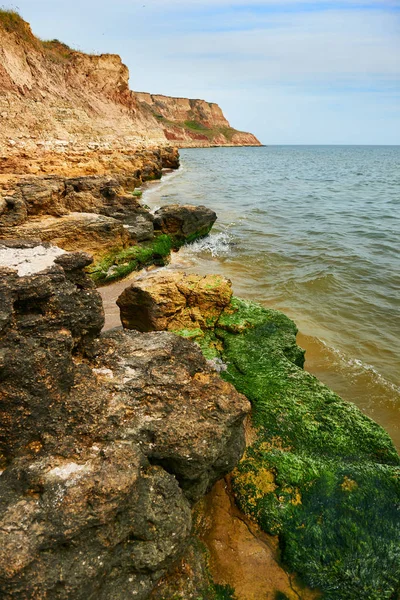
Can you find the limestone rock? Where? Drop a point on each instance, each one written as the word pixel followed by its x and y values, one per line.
pixel 170 158
pixel 13 210
pixel 76 231
pixel 105 440
pixel 174 301
pixel 184 222
pixel 174 405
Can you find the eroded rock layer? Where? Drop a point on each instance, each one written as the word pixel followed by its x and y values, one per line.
pixel 54 97
pixel 105 440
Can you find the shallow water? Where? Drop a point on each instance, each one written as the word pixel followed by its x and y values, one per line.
pixel 313 231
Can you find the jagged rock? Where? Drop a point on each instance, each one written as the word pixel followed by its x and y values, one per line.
pixel 174 405
pixel 44 196
pixel 184 222
pixel 105 441
pixel 13 211
pixel 140 226
pixel 76 231
pixel 174 301
pixel 170 158
pixel 45 316
pixel 102 524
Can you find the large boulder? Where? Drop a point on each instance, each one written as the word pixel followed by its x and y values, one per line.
pixel 174 301
pixel 170 158
pixel 105 440
pixel 184 222
pixel 76 231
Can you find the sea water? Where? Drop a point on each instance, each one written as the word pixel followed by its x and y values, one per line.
pixel 313 231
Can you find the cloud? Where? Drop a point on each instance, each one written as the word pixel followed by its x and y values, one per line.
pixel 299 69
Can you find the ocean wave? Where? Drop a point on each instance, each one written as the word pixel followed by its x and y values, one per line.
pixel 359 367
pixel 218 244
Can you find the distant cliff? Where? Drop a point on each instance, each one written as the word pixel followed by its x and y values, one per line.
pixel 51 95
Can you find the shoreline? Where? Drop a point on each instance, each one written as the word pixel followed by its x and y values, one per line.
pixel 346 375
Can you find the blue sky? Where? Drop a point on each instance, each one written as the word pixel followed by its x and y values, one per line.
pixel 290 71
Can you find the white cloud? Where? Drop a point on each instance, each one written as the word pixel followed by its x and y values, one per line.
pixel 289 72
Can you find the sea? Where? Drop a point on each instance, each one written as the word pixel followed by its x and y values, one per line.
pixel 312 231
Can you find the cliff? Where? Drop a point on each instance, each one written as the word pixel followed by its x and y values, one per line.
pixel 52 96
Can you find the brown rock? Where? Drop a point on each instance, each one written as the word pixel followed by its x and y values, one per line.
pixel 184 222
pixel 104 440
pixel 76 231
pixel 174 301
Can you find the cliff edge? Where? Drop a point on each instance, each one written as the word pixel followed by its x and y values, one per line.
pixel 53 96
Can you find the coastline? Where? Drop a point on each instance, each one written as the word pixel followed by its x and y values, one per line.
pixel 352 379
pixel 240 322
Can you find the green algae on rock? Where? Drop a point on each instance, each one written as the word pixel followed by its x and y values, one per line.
pixel 321 475
pixel 121 262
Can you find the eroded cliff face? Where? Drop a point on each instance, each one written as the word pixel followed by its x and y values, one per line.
pixel 52 96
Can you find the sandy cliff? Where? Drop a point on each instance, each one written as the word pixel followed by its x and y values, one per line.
pixel 52 96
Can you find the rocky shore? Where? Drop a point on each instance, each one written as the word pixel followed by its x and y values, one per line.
pixel 106 442
pixel 185 454
pixel 110 441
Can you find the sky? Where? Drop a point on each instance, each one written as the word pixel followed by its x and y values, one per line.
pixel 289 71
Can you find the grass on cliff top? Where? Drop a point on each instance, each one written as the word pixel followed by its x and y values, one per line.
pixel 194 126
pixel 12 22
pixel 321 475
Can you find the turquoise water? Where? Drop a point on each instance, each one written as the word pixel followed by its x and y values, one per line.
pixel 313 231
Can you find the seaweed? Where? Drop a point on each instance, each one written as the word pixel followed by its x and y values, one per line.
pixel 321 475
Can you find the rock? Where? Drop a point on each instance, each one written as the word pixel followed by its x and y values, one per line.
pixel 174 301
pixel 170 158
pixel 318 473
pixel 184 222
pixel 104 524
pixel 13 211
pixel 137 219
pixel 76 231
pixel 140 226
pixel 172 403
pixel 105 441
pixel 44 196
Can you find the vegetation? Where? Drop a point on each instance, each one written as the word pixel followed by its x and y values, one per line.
pixel 57 51
pixel 12 22
pixel 121 262
pixel 195 125
pixel 224 592
pixel 321 475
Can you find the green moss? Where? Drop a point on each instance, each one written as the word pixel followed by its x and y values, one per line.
pixel 321 475
pixel 224 592
pixel 121 262
pixel 200 233
pixel 195 125
pixel 137 193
